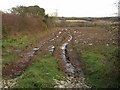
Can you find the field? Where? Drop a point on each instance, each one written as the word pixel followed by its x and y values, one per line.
pixel 73 54
pixel 75 20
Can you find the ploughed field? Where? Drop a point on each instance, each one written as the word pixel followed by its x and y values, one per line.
pixel 69 57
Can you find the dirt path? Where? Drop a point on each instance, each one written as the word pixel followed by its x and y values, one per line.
pixel 17 67
pixel 59 45
pixel 62 53
pixel 68 62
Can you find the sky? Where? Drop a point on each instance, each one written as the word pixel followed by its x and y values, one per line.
pixel 68 8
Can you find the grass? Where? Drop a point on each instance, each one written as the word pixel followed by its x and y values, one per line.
pixel 40 74
pixel 11 44
pixel 20 42
pixel 100 68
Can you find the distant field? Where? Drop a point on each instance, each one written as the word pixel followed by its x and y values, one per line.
pixel 76 20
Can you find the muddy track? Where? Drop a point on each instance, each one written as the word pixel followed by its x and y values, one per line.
pixel 17 67
pixel 60 45
pixel 67 60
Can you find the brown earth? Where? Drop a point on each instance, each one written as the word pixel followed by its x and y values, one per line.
pixel 82 36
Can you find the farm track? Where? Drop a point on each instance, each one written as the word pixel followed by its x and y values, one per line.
pixel 60 45
pixel 57 44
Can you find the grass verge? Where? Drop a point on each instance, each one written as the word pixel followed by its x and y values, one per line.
pixel 100 68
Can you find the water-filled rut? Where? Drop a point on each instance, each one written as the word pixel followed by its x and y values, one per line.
pixel 69 66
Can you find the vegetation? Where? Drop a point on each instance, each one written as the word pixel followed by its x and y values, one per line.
pixel 29 24
pixel 41 74
pixel 101 66
pixel 14 45
pixel 25 26
pixel 31 11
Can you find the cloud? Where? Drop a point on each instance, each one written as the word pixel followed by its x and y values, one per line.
pixel 79 8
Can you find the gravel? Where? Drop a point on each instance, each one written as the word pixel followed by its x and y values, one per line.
pixel 71 82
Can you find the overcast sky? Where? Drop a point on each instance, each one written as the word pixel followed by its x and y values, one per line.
pixel 69 8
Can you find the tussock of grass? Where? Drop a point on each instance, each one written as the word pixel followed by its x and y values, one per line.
pixel 40 74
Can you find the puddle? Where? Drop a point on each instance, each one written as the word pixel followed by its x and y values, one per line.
pixel 51 49
pixel 69 67
pixel 19 67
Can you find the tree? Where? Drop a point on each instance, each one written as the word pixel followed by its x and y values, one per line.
pixel 35 11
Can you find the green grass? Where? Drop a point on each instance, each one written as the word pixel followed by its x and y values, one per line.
pixel 40 74
pixel 9 45
pixel 100 69
pixel 20 42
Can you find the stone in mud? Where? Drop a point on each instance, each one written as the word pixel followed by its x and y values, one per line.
pixel 21 56
pixel 107 44
pixel 30 54
pixel 60 32
pixel 61 86
pixel 71 82
pixel 56 86
pixel 90 44
pixel 6 87
pixel 62 82
pixel 8 83
pixel 69 40
pixel 66 29
pixel 83 34
pixel 76 41
pixel 51 48
pixel 74 31
pixel 52 39
pixel 36 49
pixel 84 42
pixel 113 42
